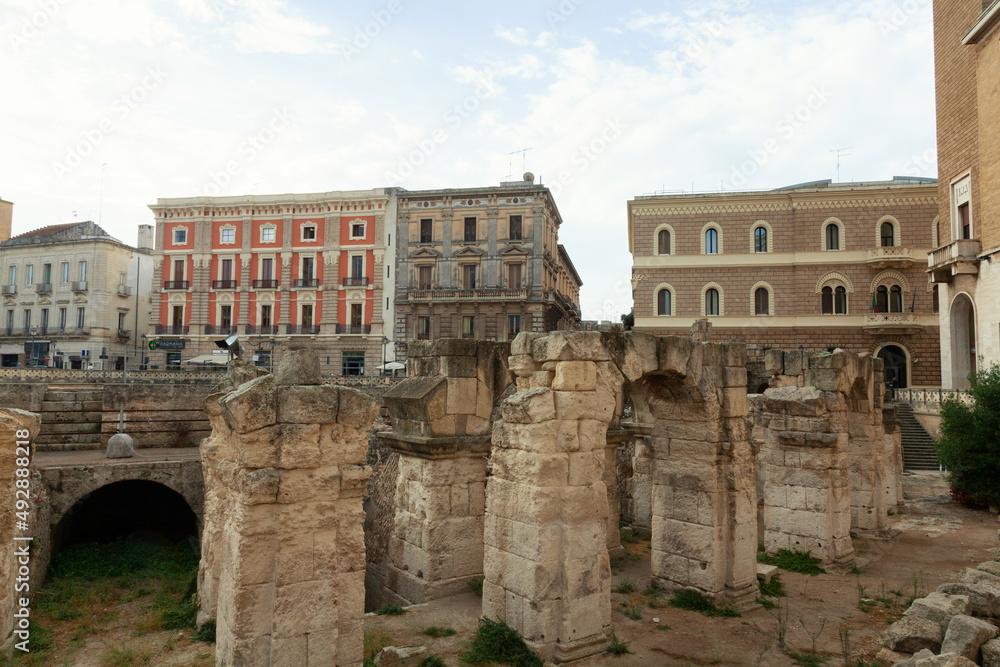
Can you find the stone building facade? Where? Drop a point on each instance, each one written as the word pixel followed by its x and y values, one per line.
pixel 283 271
pixel 73 297
pixel 482 263
pixel 816 267
pixel 964 265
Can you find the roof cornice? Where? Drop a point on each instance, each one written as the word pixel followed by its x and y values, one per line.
pixel 984 23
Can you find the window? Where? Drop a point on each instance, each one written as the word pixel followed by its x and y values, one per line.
pixel 760 239
pixel 357 266
pixel 228 235
pixel 663 302
pixel 267 234
pixel 307 268
pixel 965 221
pixel 832 237
pixel 469 276
pixel 27 320
pixel 423 328
pixel 663 242
pixel 29 274
pixel 12 275
pixel 178 270
pixel 122 279
pixel 307 315
pixel 470 230
pixel 513 325
pixel 514 276
pixel 881 299
pixel 81 317
pixel 711 242
pixel 45 319
pixel 64 273
pixel 357 230
pixel 10 321
pixel 895 299
pixel 712 301
pixel 887 234
pixel 83 270
pixel 267 269
pixel 62 319
pixel 226 317
pixel 265 316
pixel 468 326
pixel 761 301
pixel 840 300
pixel 352 363
pixel 46 273
pixel 227 269
pixel 357 314
pixel 426 230
pixel 827 300
pixel 424 277
pixel 180 237
pixel 308 233
pixel 515 228
pixel 935 304
pixel 121 320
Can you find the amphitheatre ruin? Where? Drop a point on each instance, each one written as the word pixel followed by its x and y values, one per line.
pixel 572 485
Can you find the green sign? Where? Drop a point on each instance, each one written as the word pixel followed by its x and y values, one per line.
pixel 166 345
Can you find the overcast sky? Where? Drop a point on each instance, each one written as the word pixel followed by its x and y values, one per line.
pixel 174 98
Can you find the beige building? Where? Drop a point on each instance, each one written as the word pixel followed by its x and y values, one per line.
pixel 73 297
pixel 482 263
pixel 966 264
pixel 817 267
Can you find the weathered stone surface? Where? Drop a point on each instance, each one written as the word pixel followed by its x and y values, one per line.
pixel 990 567
pixel 944 660
pixel 939 608
pixel 911 634
pixel 887 658
pixel 575 376
pixel 984 597
pixel 401 656
pixel 298 367
pixel 766 572
pixel 991 653
pixel 965 635
pixel 251 406
pixel 120 446
pixel 912 660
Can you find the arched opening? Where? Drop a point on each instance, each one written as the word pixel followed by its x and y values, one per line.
pixel 894 370
pixel 663 302
pixel 711 242
pixel 832 237
pixel 888 234
pixel 761 299
pixel 712 302
pixel 663 242
pixel 963 340
pixel 760 239
pixel 131 508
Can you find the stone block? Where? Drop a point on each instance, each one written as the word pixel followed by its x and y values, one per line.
pixel 307 404
pixel 569 346
pixel 357 409
pixel 774 362
pixel 991 653
pixel 529 406
pixel 674 354
pixel 401 656
pixel 542 378
pixel 966 635
pixel 522 343
pixel 944 660
pixel 984 597
pixel 990 567
pixel 939 608
pixel 577 405
pixel 251 406
pixel 458 367
pixel 575 376
pixel 298 367
pixel 911 634
pixel 887 658
pixel 299 446
pixel 462 396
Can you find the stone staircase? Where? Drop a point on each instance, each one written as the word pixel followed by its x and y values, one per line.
pixel 71 419
pixel 918 446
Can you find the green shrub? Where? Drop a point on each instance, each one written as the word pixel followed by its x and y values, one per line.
pixel 617 646
pixel 793 561
pixel 477 586
pixel 390 610
pixel 625 586
pixel 432 661
pixel 775 589
pixel 495 641
pixel 438 631
pixel 692 600
pixel 206 633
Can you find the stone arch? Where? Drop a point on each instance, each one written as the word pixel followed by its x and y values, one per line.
pixel 890 277
pixel 897 231
pixel 718 229
pixel 964 336
pixel 656 239
pixel 770 235
pixel 935 240
pixel 835 277
pixel 841 234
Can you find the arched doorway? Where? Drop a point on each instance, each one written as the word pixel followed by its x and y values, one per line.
pixel 894 358
pixel 963 340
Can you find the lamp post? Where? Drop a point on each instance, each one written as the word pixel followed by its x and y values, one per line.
pixel 385 341
pixel 33 332
pixel 141 362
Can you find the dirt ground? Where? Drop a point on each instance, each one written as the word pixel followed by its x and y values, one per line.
pixel 937 540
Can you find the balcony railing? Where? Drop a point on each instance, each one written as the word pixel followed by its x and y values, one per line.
pixel 453 294
pixel 356 329
pixel 875 322
pixel 124 290
pixel 78 285
pixel 302 329
pixel 217 330
pixel 124 334
pixel 176 284
pixel 172 329
pixel 265 284
pixel 956 258
pixel 8 289
pixel 356 282
pixel 223 284
pixel 43 288
pixel 258 330
pixel 886 256
pixel 305 282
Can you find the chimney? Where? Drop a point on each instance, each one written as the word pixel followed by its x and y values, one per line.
pixel 6 218
pixel 145 237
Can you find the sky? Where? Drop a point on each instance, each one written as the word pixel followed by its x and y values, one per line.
pixel 109 104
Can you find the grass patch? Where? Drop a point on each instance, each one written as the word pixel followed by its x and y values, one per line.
pixel 390 610
pixel 437 631
pixel 206 633
pixel 766 604
pixel 625 586
pixel 775 589
pixel 807 659
pixel 632 611
pixel 477 586
pixel 498 642
pixel 374 641
pixel 432 661
pixel 802 562
pixel 617 646
pixel 691 600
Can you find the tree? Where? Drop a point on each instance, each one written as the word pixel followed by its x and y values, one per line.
pixel 628 320
pixel 970 439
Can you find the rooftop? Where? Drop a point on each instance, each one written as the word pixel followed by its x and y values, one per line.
pixel 71 231
pixel 826 185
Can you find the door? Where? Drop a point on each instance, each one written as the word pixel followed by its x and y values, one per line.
pixel 895 366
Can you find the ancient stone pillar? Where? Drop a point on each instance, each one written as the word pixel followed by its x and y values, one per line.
pixel 616 438
pixel 292 565
pixel 893 444
pixel 867 445
pixel 637 503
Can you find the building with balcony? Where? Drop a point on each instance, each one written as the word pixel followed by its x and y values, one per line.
pixel 482 263
pixel 965 266
pixel 73 297
pixel 281 271
pixel 816 266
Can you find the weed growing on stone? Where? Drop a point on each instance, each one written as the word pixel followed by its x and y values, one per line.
pixel 390 610
pixel 438 631
pixel 632 611
pixel 495 641
pixel 625 586
pixel 692 600
pixel 477 586
pixel 774 589
pixel 432 661
pixel 802 562
pixel 206 633
pixel 374 641
pixel 617 646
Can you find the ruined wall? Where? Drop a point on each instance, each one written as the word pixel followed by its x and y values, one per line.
pixel 380 510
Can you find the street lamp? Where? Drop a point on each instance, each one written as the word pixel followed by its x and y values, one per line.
pixel 142 364
pixel 33 332
pixel 385 341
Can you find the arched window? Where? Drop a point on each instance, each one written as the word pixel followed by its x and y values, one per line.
pixel 760 239
pixel 935 307
pixel 896 299
pixel 832 237
pixel 712 302
pixel 663 302
pixel 761 302
pixel 827 300
pixel 888 234
pixel 663 242
pixel 840 300
pixel 711 242
pixel 882 299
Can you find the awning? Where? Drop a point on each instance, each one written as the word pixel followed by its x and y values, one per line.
pixel 208 360
pixel 392 366
pixel 10 348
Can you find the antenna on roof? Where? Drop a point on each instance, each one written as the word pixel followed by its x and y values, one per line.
pixel 840 152
pixel 510 162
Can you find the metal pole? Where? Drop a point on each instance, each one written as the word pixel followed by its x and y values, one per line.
pixel 135 337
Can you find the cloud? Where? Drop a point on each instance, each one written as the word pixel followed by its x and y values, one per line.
pixel 518 36
pixel 268 26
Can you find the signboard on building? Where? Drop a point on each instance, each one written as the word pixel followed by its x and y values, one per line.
pixel 166 344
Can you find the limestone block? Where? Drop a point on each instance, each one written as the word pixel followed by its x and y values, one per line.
pixel 577 405
pixel 887 658
pixel 640 356
pixel 939 608
pixel 120 446
pixel 419 399
pixel 542 378
pixel 529 406
pixel 575 376
pixel 458 367
pixel 991 653
pixel 462 396
pixel 965 635
pixel 401 656
pixel 990 567
pixel 766 572
pixel 542 468
pixel 521 345
pixel 944 660
pixel 774 362
pixel 911 634
pixel 569 346
pixel 251 406
pixel 912 660
pixel 828 379
pixel 984 597
pixel 585 467
pixel 298 367
pixel 299 446
pixel 259 486
pixel 796 362
pixel 308 404
pixel 674 354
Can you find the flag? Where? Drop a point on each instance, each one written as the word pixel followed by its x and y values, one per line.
pixel 913 301
pixel 874 303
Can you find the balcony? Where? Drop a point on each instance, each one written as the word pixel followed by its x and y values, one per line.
pixel 354 329
pixel 265 284
pixel 891 323
pixel 494 294
pixel 302 329
pixel 223 284
pixel 124 290
pixel 889 257
pixel 956 258
pixel 8 290
pixel 306 282
pixel 356 281
pixel 224 330
pixel 172 330
pixel 257 330
pixel 176 284
pixel 43 288
pixel 78 285
pixel 124 335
